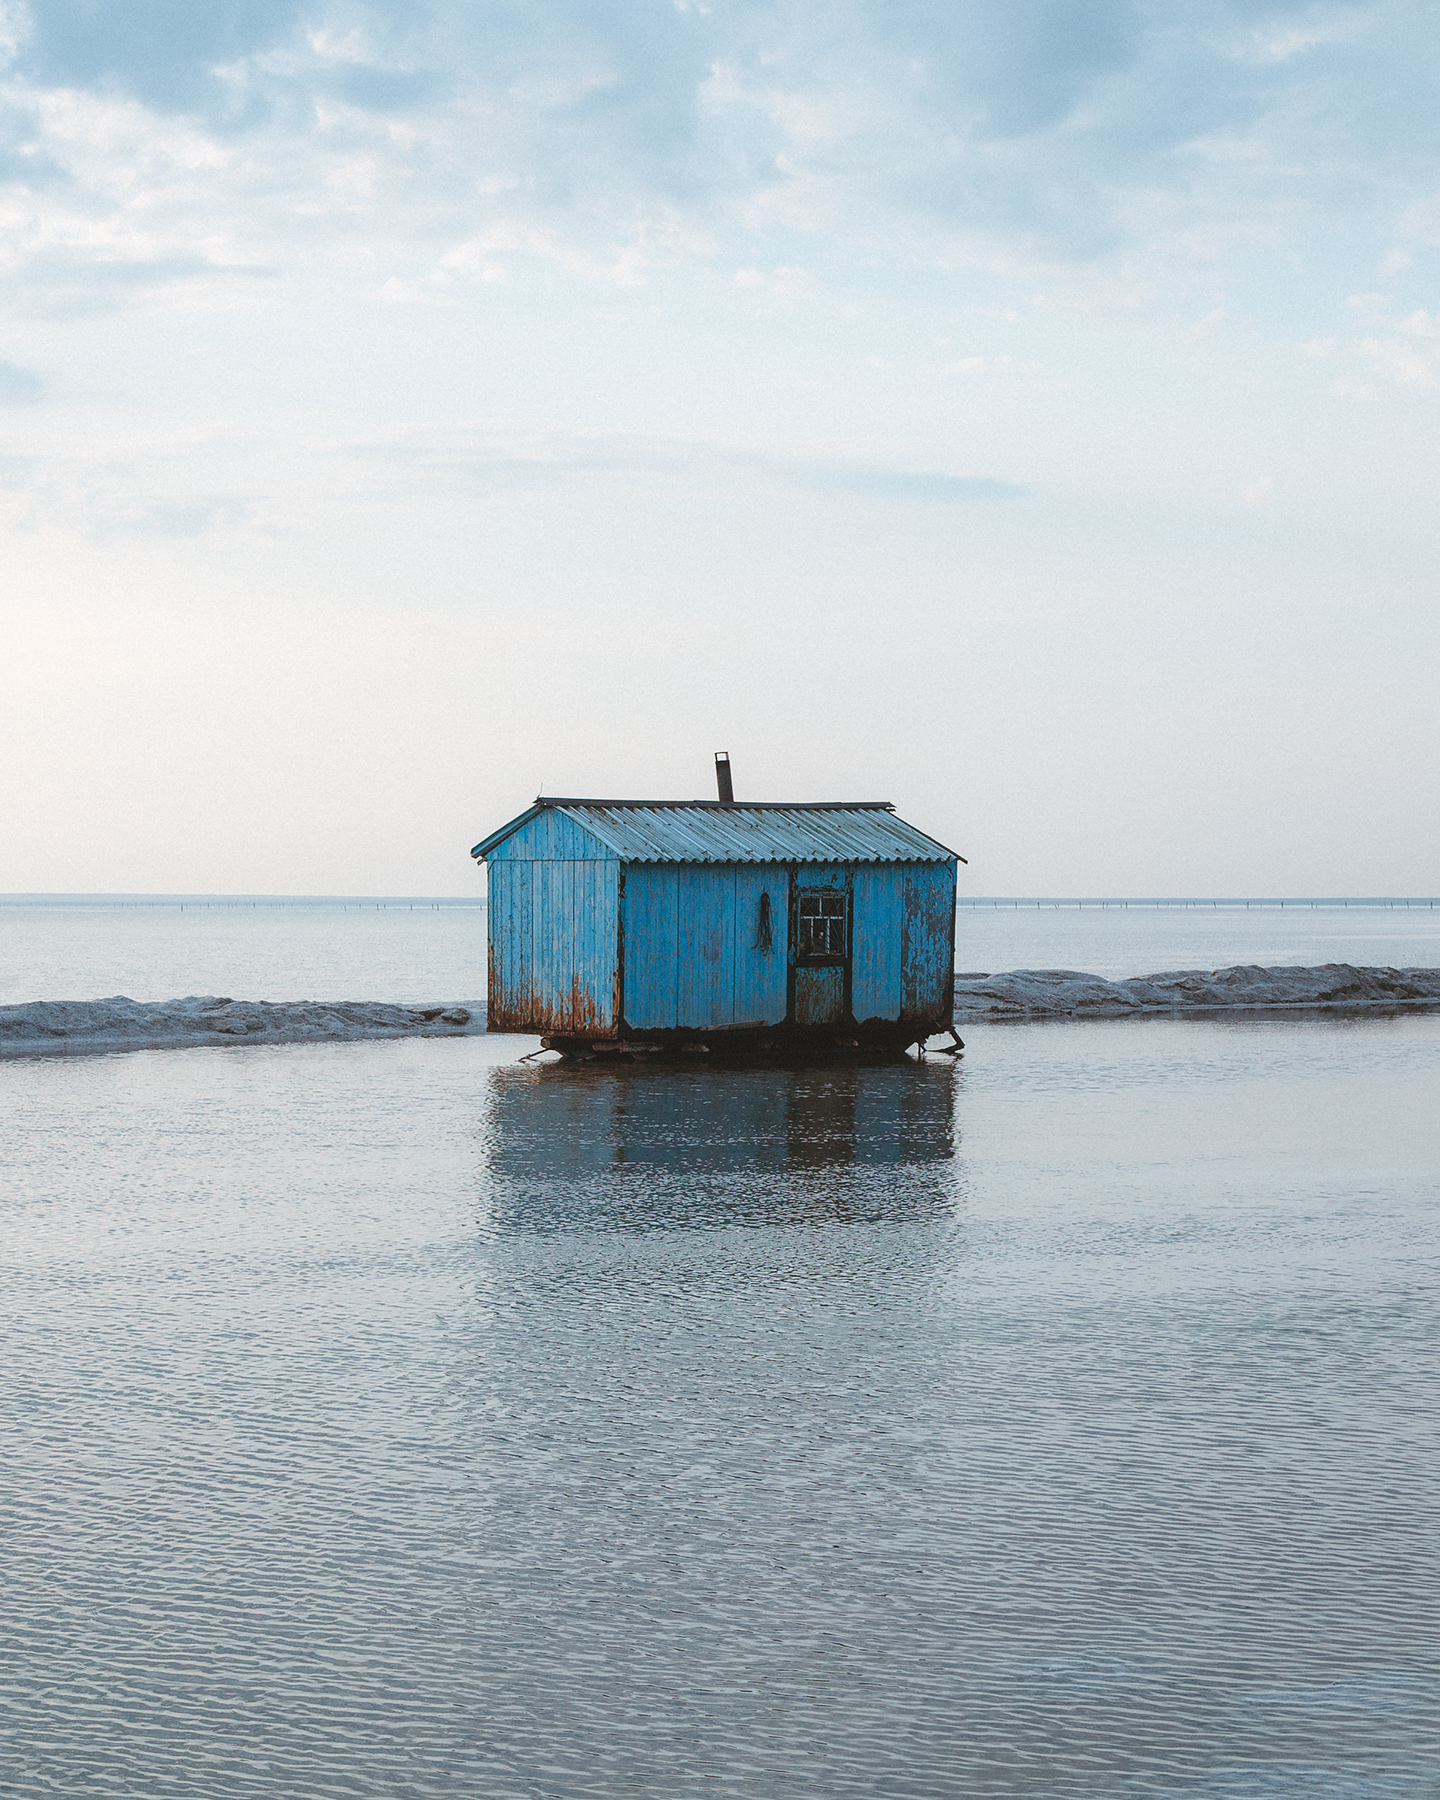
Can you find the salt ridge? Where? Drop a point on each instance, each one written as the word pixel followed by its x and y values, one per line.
pixel 120 1023
pixel 1068 993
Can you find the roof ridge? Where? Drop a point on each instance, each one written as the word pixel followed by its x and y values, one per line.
pixel 730 806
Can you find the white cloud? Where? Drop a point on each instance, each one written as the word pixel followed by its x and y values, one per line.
pixel 1275 43
pixel 18 386
pixel 1402 361
pixel 160 494
pixel 1421 220
pixel 1208 323
pixel 789 283
pixel 990 365
pixel 196 483
pixel 1409 350
pixel 971 138
pixel 1259 493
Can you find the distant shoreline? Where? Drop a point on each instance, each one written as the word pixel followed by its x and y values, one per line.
pixel 1207 903
pixel 219 901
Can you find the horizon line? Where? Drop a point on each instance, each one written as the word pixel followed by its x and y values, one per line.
pixel 43 895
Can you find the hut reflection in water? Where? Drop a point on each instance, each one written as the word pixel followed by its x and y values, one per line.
pixel 569 1146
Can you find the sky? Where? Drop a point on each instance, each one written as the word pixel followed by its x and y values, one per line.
pixel 1020 410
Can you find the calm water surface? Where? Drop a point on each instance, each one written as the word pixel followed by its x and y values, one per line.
pixel 406 952
pixel 412 953
pixel 1142 939
pixel 394 1420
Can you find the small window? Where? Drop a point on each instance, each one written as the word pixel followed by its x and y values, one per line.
pixel 820 921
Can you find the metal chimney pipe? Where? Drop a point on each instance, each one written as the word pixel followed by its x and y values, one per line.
pixel 722 778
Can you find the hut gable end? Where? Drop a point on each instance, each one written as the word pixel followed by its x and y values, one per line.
pixel 549 835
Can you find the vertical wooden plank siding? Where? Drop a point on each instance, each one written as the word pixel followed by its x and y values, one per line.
pixel 497 938
pixel 605 944
pixel 512 964
pixel 652 946
pixel 691 956
pixel 760 974
pixel 706 905
pixel 574 937
pixel 525 938
pixel 549 837
pixel 879 904
pixel 928 942
pixel 553 927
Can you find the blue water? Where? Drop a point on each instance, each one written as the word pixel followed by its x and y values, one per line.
pixel 416 952
pixel 404 951
pixel 398 1419
pixel 1145 939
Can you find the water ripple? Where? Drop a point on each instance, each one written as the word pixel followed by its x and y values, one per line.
pixel 380 1421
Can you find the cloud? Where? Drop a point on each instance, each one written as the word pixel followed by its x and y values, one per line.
pixel 898 484
pixel 1204 326
pixel 162 492
pixel 611 139
pixel 500 460
pixel 18 386
pixel 167 53
pixel 200 483
pixel 990 365
pixel 1280 37
pixel 1407 350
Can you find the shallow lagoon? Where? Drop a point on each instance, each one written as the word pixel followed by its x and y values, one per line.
pixel 391 1419
pixel 413 953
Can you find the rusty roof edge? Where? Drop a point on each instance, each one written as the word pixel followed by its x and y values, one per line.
pixel 734 806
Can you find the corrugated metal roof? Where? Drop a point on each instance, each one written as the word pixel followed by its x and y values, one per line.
pixel 705 831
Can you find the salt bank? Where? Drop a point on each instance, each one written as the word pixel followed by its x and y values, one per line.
pixel 641 926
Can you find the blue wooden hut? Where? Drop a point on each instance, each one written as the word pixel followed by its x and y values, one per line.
pixel 667 922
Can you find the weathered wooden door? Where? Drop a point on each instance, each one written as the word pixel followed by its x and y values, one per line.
pixel 820 948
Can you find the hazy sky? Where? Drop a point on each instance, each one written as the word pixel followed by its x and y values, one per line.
pixel 1023 410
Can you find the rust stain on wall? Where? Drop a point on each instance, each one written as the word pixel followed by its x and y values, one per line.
pixel 576 1013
